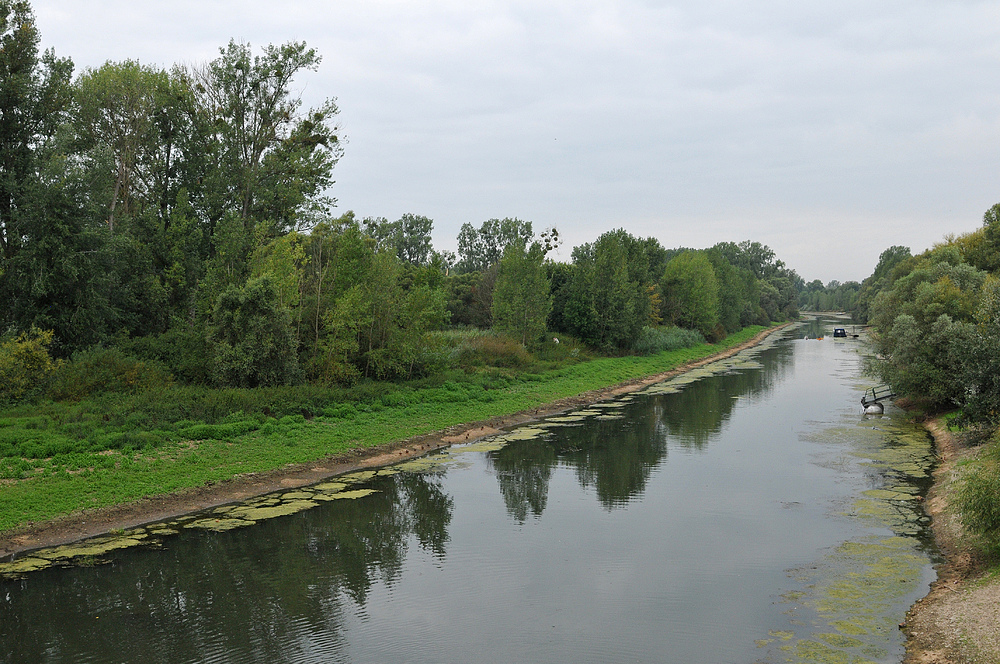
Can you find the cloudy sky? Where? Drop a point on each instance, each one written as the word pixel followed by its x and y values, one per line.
pixel 827 130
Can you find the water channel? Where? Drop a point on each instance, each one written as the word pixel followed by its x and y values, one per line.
pixel 746 512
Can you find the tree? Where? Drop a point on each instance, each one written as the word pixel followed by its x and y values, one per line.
pixel 409 237
pixel 521 298
pixel 252 337
pixel 925 323
pixel 60 279
pixel 691 293
pixel 479 249
pixel 606 300
pixel 733 296
pixel 753 256
pixel 117 110
pixel 34 96
pixel 270 160
pixel 980 373
pixel 881 278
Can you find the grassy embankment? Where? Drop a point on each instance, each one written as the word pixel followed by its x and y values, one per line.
pixel 57 458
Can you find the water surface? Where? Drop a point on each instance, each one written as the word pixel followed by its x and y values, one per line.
pixel 747 512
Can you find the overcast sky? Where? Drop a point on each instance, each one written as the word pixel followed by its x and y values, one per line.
pixel 827 130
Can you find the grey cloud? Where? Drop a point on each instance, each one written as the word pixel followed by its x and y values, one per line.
pixel 788 122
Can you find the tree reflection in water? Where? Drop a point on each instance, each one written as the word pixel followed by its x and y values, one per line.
pixel 616 457
pixel 274 592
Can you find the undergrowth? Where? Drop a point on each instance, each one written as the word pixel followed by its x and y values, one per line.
pixel 978 499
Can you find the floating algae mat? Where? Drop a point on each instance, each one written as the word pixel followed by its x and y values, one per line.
pixel 741 361
pixel 95 550
pixel 847 606
pixel 250 512
pixel 751 515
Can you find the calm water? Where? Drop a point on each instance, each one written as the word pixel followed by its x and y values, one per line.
pixel 751 515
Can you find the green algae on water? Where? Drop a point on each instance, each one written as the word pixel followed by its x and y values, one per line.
pixel 858 593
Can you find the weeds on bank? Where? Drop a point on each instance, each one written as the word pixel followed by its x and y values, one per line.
pixel 978 499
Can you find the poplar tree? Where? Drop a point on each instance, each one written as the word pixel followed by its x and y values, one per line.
pixel 521 298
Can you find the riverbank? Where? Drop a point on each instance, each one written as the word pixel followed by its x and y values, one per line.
pixel 957 622
pixel 535 403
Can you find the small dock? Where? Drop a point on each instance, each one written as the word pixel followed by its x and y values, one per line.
pixel 876 395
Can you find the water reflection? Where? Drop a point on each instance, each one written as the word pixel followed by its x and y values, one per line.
pixel 434 563
pixel 523 470
pixel 276 592
pixel 616 457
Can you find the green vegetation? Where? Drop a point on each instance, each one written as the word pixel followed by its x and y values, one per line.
pixel 936 331
pixel 181 304
pixel 59 457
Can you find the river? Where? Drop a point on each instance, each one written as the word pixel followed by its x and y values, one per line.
pixel 746 512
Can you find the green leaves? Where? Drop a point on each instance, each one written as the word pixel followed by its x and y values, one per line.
pixel 521 298
pixel 691 292
pixel 270 161
pixel 252 338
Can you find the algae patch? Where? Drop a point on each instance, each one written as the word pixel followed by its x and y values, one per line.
pixel 857 594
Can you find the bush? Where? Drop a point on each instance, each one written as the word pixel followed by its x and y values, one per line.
pixel 566 350
pixel 252 337
pixel 979 499
pixel 183 350
pixel 654 340
pixel 489 350
pixel 25 364
pixel 100 370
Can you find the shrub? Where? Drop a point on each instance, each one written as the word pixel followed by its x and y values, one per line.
pixel 252 337
pixel 654 340
pixel 979 498
pixel 566 349
pixel 183 350
pixel 25 364
pixel 101 370
pixel 491 351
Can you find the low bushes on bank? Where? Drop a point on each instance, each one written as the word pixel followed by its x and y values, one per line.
pixel 979 498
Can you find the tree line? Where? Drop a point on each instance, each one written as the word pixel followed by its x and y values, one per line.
pixel 181 217
pixel 935 320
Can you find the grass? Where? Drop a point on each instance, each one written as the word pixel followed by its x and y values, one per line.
pixel 58 458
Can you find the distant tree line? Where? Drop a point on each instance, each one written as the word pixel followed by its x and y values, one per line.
pixel 180 217
pixel 834 296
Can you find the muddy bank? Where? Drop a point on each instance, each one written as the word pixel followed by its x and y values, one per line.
pixel 90 523
pixel 958 622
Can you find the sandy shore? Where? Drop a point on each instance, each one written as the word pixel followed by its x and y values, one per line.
pixel 958 622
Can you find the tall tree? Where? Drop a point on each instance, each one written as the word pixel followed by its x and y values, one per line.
pixel 34 96
pixel 691 292
pixel 272 161
pixel 138 123
pixel 480 248
pixel 409 237
pixel 117 105
pixel 521 298
pixel 606 300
